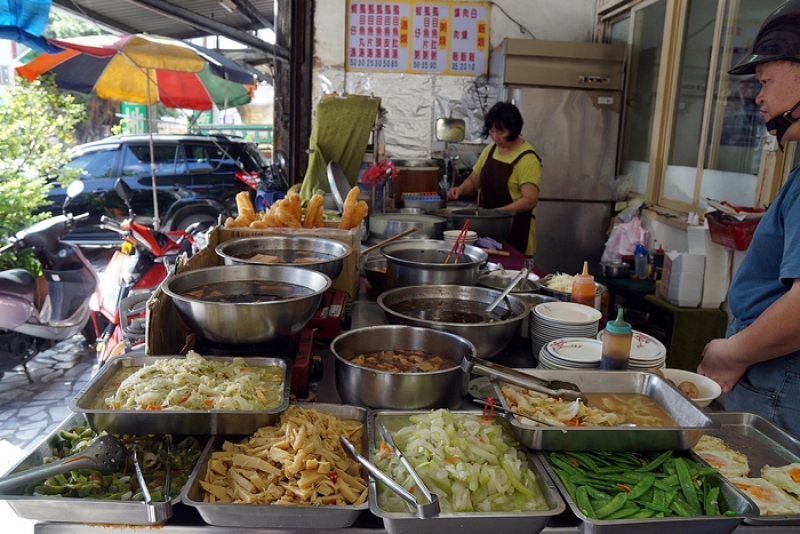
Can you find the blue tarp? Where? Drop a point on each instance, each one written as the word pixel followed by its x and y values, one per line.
pixel 24 21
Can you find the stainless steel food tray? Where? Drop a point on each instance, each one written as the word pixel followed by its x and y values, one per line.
pixel 268 515
pixel 197 422
pixel 467 523
pixel 764 443
pixel 730 499
pixel 70 509
pixel 693 421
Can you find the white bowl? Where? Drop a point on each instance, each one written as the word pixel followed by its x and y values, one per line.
pixel 707 389
pixel 453 235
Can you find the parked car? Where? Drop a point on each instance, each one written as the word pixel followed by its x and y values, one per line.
pixel 197 179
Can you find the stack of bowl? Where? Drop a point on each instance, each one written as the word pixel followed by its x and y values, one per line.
pixel 452 235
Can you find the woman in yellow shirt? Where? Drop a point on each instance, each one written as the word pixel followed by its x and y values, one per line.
pixel 508 172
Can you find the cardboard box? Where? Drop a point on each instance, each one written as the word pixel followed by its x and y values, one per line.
pixel 718 265
pixel 165 331
pixel 682 280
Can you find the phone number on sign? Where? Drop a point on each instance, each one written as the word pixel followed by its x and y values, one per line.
pixel 374 63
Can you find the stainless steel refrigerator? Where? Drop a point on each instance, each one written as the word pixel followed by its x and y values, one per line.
pixel 570 97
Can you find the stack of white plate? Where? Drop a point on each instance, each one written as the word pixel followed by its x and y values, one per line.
pixel 452 235
pixel 554 320
pixel 571 353
pixel 646 351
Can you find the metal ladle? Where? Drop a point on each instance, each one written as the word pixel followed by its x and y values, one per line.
pixel 423 510
pixel 107 454
pixel 514 281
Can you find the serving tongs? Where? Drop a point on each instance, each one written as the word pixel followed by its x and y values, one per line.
pixel 423 510
pixel 554 388
pixel 106 454
pixel 160 511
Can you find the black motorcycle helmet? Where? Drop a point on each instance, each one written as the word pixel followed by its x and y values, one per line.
pixel 778 38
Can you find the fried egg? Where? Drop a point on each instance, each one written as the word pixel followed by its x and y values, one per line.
pixel 770 499
pixel 717 454
pixel 787 477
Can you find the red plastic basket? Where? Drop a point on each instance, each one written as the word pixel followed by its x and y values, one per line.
pixel 733 234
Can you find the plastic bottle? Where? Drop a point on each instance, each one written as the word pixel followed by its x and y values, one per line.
pixel 658 263
pixel 640 261
pixel 617 338
pixel 583 288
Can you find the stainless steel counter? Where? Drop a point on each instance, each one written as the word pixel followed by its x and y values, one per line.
pixel 365 312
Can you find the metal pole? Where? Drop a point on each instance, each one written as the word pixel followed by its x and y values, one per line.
pixel 156 219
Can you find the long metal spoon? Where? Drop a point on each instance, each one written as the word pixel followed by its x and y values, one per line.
pixel 107 454
pixel 514 281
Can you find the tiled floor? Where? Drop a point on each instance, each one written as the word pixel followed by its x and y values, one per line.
pixel 29 411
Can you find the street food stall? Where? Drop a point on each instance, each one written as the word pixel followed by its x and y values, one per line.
pixel 535 438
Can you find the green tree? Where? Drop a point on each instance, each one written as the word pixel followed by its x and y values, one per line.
pixel 38 122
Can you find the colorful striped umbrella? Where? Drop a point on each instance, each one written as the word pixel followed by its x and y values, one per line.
pixel 145 69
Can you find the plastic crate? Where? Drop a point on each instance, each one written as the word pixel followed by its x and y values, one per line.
pixel 732 234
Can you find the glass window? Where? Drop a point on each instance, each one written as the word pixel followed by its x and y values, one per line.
pixel 645 59
pixel 95 164
pixel 168 159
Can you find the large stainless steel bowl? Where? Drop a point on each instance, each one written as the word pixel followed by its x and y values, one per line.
pixel 385 225
pixel 362 386
pixel 488 223
pixel 250 312
pixel 413 262
pixel 454 309
pixel 317 254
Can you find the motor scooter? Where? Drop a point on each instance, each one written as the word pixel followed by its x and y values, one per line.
pixel 133 273
pixel 25 327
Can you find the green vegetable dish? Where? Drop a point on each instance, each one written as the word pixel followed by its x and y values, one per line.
pixel 472 464
pixel 627 485
pixel 91 484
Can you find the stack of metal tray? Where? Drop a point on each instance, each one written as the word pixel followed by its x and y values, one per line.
pixel 692 420
pixel 730 499
pixel 468 522
pixel 69 509
pixel 198 422
pixel 271 515
pixel 764 443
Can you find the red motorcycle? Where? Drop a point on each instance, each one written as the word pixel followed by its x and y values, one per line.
pixel 134 271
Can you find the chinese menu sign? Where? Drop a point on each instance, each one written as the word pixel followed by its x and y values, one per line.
pixel 418 37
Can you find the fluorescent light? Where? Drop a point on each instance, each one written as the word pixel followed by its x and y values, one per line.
pixel 228 5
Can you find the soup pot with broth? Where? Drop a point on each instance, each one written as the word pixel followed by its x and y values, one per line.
pixel 246 303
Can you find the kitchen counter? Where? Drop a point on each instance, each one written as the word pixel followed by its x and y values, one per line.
pixel 365 312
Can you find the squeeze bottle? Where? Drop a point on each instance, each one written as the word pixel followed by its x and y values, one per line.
pixel 640 261
pixel 583 288
pixel 658 263
pixel 617 338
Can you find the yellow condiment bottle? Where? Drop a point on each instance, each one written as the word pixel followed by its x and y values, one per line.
pixel 617 340
pixel 583 288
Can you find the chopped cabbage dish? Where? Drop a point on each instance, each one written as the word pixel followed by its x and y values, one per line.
pixel 472 464
pixel 195 383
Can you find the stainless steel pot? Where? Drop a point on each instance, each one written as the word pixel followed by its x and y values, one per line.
pixel 385 225
pixel 328 255
pixel 361 386
pixel 489 338
pixel 246 322
pixel 412 262
pixel 487 223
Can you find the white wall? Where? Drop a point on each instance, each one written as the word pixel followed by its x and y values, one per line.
pixel 414 102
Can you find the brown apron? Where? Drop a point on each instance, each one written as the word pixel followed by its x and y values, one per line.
pixel 494 183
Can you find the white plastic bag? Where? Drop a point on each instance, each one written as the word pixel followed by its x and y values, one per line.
pixel 624 238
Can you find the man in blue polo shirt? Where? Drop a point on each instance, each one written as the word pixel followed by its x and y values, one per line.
pixel 758 364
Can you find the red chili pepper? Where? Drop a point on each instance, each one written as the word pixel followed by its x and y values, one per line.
pixel 488 409
pixel 624 486
pixel 333 476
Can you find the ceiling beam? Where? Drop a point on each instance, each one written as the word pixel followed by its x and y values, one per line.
pixel 252 13
pixel 212 26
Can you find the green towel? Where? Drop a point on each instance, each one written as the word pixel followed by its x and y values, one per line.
pixel 341 134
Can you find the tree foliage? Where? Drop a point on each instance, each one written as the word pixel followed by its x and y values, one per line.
pixel 38 123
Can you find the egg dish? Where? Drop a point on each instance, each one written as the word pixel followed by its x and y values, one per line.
pixel 717 454
pixel 770 499
pixel 786 477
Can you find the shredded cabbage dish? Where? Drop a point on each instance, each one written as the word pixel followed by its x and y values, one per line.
pixel 195 383
pixel 472 464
